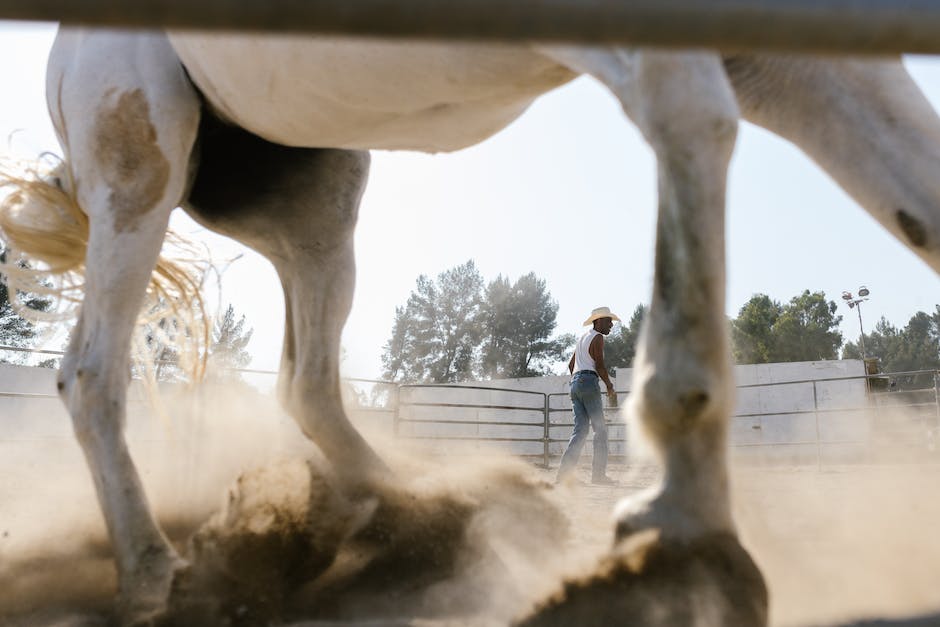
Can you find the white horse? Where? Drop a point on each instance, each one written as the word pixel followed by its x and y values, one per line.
pixel 263 139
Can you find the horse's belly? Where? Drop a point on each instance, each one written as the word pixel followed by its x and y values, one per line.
pixel 345 93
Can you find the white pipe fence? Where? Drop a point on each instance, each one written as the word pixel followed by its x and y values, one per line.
pixel 880 426
pixel 843 26
pixel 536 424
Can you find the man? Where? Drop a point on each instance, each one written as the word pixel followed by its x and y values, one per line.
pixel 587 366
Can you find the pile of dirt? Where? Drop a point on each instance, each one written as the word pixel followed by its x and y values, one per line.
pixel 291 544
pixel 707 580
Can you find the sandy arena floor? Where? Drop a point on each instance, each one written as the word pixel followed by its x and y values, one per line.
pixel 836 544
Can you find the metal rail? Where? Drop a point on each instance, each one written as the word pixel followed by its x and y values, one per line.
pixel 543 406
pixel 816 411
pixel 842 26
pixel 402 401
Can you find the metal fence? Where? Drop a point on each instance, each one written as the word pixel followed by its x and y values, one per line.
pixel 892 410
pixel 877 426
pixel 906 419
pixel 411 424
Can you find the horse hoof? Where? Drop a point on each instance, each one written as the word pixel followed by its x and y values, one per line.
pixel 654 581
pixel 145 597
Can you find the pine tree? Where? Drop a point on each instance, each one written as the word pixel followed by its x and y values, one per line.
pixel 14 329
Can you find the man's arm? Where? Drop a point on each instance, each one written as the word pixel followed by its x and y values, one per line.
pixel 571 364
pixel 597 352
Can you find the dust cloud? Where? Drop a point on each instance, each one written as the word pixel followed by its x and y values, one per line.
pixel 465 538
pixel 273 534
pixel 844 543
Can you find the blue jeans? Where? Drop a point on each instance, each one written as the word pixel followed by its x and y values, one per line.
pixel 588 413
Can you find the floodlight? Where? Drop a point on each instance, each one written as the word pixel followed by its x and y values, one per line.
pixel 851 301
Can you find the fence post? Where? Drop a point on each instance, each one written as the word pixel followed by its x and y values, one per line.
pixel 396 417
pixel 936 401
pixel 816 417
pixel 546 435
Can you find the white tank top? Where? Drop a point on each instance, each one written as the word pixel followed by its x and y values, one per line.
pixel 582 355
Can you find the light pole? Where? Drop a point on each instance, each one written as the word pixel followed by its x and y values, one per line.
pixel 856 303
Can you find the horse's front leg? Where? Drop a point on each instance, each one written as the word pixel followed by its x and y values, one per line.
pixel 683 387
pixel 317 269
pixel 128 118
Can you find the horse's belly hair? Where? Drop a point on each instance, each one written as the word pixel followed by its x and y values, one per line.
pixel 366 94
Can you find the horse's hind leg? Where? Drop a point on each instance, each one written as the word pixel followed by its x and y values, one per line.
pixel 866 122
pixel 298 208
pixel 128 119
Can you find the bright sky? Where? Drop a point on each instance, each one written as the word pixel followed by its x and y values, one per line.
pixel 567 191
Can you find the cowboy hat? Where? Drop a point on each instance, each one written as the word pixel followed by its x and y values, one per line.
pixel 601 312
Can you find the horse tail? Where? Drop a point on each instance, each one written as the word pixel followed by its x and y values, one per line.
pixel 44 233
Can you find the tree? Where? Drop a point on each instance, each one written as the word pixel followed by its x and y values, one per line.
pixel 935 324
pixel 451 329
pixel 752 332
pixel 620 346
pixel 436 334
pixel 920 349
pixel 14 329
pixel 808 329
pixel 916 347
pixel 229 341
pixel 517 322
pixel 156 345
pixel 161 339
pixel 805 329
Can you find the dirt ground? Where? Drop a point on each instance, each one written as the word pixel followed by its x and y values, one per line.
pixel 836 544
